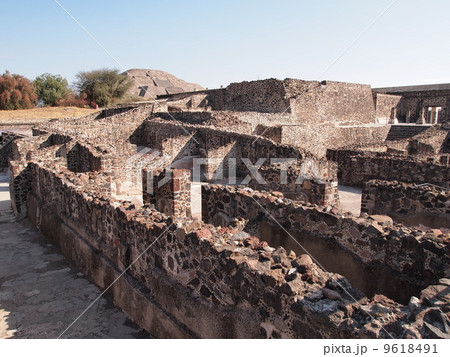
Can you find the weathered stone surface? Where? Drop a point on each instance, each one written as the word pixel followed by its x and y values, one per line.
pixel 331 294
pixel 381 219
pixel 407 203
pixel 303 263
pixel 358 167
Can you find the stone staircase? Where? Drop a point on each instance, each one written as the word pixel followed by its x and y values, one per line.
pixel 402 132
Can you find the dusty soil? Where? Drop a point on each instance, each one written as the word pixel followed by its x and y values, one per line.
pixel 37 115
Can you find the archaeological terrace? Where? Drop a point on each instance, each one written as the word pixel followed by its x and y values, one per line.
pixel 220 237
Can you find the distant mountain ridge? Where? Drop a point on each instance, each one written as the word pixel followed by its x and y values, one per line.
pixel 151 82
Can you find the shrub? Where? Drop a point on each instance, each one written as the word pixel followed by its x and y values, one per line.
pixel 16 92
pixel 103 87
pixel 51 88
pixel 72 100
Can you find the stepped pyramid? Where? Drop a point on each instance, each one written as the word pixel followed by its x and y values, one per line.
pixel 150 82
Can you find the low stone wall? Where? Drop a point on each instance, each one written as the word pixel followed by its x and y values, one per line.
pixel 206 282
pixel 81 159
pixel 6 139
pixel 273 133
pixel 297 184
pixel 435 140
pixel 407 203
pixel 19 186
pixel 102 239
pixel 355 168
pixel 106 131
pixel 169 191
pixel 318 138
pixel 309 178
pixel 216 119
pixel 376 259
pixel 210 139
pixel 22 147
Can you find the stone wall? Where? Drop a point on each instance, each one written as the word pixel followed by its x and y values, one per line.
pixel 206 282
pixel 414 102
pixel 318 138
pixel 386 107
pixel 266 96
pixel 185 103
pixel 309 102
pixel 435 140
pixel 358 167
pixel 217 99
pixel 21 148
pixel 333 102
pixel 209 140
pixel 412 108
pixel 407 203
pixel 375 258
pixel 6 139
pixel 81 159
pixel 274 133
pixel 256 119
pixel 431 142
pixel 19 186
pixel 173 139
pixel 297 183
pixel 65 152
pixel 192 283
pixel 169 191
pixel 107 130
pixel 108 145
pixel 219 147
pixel 217 119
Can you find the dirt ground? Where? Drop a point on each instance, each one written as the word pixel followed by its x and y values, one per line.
pixel 37 115
pixel 350 199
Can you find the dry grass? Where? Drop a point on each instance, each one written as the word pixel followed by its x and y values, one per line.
pixel 42 114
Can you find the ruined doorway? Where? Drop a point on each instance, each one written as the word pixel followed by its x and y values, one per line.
pixel 432 115
pixel 196 200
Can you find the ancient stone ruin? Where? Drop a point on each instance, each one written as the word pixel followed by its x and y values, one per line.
pixel 149 83
pixel 219 214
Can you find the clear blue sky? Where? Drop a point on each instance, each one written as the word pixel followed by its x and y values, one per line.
pixel 214 43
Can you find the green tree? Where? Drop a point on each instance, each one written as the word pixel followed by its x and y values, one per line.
pixel 103 87
pixel 16 92
pixel 51 88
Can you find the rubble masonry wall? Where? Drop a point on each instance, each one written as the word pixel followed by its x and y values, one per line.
pixel 407 203
pixel 369 255
pixel 357 167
